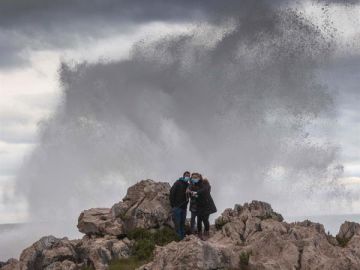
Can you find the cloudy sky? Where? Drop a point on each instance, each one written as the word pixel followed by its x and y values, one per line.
pixel 95 95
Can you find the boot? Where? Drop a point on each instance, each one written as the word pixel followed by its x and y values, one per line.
pixel 206 235
pixel 200 235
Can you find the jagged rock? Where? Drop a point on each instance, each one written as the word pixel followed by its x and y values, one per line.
pixel 193 253
pixel 253 236
pixel 348 230
pixel 100 251
pixel 64 265
pixel 11 264
pixel 146 205
pixel 47 251
pixel 99 221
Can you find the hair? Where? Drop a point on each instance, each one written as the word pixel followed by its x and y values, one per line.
pixel 197 174
pixel 186 172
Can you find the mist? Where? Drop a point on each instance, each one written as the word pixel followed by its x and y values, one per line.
pixel 239 99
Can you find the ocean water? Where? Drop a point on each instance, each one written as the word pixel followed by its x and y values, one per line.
pixel 16 237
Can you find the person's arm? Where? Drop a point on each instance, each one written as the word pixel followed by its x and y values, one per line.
pixel 205 188
pixel 172 194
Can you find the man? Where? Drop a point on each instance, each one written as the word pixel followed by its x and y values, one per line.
pixel 179 202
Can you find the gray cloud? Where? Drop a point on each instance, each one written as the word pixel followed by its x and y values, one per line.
pixel 40 24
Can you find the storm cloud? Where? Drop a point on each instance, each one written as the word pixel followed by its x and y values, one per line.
pixel 35 25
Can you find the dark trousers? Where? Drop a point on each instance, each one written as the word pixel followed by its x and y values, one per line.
pixel 203 219
pixel 193 221
pixel 179 217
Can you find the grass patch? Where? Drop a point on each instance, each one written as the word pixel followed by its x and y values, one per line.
pixel 244 258
pixel 342 241
pixel 145 241
pixel 143 249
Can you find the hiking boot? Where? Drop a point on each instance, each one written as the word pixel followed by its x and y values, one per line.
pixel 206 235
pixel 200 235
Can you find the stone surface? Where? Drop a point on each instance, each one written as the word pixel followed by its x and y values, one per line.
pixel 253 236
pixel 98 252
pixel 348 230
pixel 11 264
pixel 146 205
pixel 99 221
pixel 47 251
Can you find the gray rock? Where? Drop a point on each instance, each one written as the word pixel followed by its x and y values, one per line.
pixel 348 230
pixel 146 205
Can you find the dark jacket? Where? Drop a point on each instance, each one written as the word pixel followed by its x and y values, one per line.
pixel 178 196
pixel 205 203
pixel 193 199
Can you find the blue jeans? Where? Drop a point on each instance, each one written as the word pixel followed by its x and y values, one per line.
pixel 179 217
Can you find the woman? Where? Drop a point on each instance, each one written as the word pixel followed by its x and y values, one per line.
pixel 193 187
pixel 205 207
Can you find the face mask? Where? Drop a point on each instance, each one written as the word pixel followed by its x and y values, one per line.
pixel 194 180
pixel 186 179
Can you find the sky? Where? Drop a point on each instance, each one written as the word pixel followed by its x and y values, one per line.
pixel 96 95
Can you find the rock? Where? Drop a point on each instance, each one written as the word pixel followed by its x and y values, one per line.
pixel 64 265
pixel 99 221
pixel 47 251
pixel 98 252
pixel 253 236
pixel 11 264
pixel 348 230
pixel 193 253
pixel 146 205
pixel 51 253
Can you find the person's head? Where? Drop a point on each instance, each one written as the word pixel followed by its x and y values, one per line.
pixel 195 178
pixel 186 174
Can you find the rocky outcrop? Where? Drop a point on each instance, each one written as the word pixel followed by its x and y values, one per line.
pixel 146 205
pixel 47 251
pixel 99 221
pixel 249 236
pixel 100 251
pixel 253 236
pixel 11 264
pixel 50 253
pixel 348 230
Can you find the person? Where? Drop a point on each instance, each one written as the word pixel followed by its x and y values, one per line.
pixel 193 187
pixel 205 207
pixel 179 202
